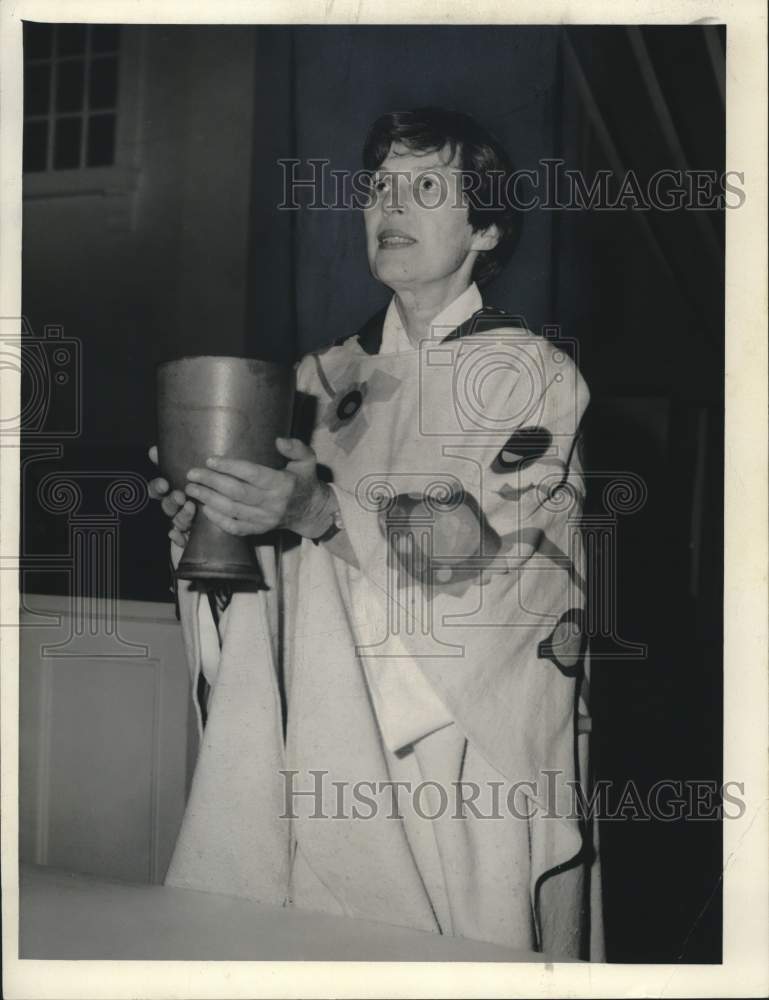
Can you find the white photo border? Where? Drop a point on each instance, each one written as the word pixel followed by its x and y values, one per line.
pixel 745 969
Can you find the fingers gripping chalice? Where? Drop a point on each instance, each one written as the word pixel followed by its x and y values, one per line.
pixel 229 407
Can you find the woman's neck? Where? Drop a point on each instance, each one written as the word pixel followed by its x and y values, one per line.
pixel 418 309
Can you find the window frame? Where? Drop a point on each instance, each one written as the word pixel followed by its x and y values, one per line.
pixel 120 178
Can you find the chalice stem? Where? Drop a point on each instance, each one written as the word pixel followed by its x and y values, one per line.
pixel 213 554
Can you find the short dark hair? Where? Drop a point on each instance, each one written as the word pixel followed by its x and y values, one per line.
pixel 480 153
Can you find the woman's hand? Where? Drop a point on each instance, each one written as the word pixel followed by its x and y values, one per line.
pixel 244 498
pixel 173 503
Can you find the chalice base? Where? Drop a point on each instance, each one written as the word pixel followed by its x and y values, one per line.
pixel 213 554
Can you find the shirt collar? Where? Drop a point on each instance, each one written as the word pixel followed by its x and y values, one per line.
pixel 394 336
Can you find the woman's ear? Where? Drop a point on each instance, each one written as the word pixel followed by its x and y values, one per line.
pixel 485 239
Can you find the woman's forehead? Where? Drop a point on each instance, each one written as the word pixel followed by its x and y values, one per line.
pixel 400 157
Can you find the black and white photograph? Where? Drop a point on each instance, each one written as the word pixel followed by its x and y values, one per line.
pixel 384 500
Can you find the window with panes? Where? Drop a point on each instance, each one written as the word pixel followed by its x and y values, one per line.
pixel 71 74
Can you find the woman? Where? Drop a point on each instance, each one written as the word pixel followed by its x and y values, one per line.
pixel 425 636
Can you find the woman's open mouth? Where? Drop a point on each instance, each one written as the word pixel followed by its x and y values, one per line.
pixel 392 239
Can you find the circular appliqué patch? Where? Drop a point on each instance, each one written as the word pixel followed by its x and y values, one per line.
pixel 345 405
pixel 349 404
pixel 566 644
pixel 522 448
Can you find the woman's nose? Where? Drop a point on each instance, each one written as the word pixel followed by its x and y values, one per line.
pixel 397 197
pixel 392 206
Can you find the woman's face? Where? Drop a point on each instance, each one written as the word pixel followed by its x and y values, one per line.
pixel 417 228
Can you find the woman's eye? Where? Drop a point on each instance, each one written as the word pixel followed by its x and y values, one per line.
pixel 428 183
pixel 380 185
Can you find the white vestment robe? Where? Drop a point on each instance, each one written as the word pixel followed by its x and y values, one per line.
pixel 436 685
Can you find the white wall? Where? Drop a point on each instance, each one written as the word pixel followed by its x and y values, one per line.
pixel 106 739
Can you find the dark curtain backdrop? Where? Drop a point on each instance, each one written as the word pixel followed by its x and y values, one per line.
pixel 640 294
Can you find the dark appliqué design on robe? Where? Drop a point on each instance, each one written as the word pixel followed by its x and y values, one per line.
pixel 348 410
pixel 345 405
pixel 524 446
pixel 567 643
pixel 439 540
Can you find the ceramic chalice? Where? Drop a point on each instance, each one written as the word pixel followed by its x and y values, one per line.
pixel 228 407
